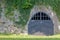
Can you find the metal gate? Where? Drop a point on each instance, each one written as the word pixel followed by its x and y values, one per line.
pixel 41 23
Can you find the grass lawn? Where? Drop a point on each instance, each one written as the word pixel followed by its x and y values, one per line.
pixel 28 37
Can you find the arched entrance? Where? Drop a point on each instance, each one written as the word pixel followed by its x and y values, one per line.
pixel 41 23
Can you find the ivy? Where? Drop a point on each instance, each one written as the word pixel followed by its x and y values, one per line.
pixel 27 4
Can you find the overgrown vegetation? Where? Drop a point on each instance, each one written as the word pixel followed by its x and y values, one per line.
pixel 24 7
pixel 27 4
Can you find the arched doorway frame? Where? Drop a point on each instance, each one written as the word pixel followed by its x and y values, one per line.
pixel 49 12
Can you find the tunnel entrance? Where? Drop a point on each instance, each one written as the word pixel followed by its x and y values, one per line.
pixel 41 23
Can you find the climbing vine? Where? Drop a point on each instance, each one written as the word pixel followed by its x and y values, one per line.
pixel 27 4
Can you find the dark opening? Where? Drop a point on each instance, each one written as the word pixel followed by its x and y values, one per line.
pixel 40 16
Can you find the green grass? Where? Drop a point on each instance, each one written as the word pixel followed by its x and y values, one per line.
pixel 28 37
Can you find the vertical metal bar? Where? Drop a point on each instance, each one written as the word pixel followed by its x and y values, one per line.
pixel 40 15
